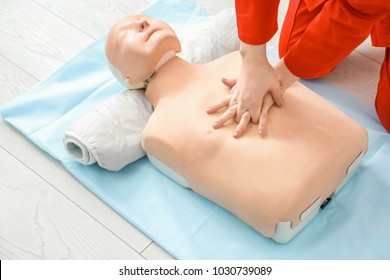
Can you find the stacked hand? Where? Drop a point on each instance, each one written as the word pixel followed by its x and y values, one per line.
pixel 257 89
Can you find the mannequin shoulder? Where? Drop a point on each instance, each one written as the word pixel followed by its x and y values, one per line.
pixel 227 66
pixel 232 59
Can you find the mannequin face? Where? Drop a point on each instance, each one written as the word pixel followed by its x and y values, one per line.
pixel 136 44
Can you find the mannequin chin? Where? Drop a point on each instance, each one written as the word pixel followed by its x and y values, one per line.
pixel 126 82
pixel 165 58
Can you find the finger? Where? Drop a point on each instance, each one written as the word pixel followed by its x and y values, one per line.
pixel 268 102
pixel 233 100
pixel 246 117
pixel 229 114
pixel 277 96
pixel 254 112
pixel 229 82
pixel 255 115
pixel 219 104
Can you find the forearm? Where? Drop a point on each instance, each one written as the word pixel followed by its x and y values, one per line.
pixel 286 78
pixel 256 20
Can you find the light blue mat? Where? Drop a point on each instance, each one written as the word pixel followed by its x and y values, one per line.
pixel 355 225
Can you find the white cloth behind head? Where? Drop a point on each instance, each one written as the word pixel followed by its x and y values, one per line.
pixel 213 39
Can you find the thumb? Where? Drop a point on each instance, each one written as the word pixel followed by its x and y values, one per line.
pixel 277 96
pixel 229 82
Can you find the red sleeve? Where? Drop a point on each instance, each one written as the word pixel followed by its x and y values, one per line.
pixel 333 34
pixel 256 20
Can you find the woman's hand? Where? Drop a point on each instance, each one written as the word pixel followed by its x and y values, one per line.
pixel 230 101
pixel 260 101
pixel 253 94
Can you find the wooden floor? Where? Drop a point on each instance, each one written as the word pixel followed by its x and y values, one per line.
pixel 44 212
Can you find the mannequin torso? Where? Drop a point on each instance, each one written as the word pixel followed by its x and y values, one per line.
pixel 286 170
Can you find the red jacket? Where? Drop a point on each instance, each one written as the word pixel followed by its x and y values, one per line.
pixel 340 27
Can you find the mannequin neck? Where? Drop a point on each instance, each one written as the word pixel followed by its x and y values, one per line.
pixel 174 74
pixel 165 58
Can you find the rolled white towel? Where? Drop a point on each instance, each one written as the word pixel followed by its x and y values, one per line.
pixel 78 149
pixel 111 134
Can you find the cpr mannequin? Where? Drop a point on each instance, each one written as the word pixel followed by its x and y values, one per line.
pixel 307 150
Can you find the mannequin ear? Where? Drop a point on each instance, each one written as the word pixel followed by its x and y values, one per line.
pixel 128 81
pixel 130 85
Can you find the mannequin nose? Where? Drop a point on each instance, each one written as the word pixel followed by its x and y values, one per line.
pixel 143 24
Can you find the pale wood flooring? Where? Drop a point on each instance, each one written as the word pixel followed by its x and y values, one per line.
pixel 44 212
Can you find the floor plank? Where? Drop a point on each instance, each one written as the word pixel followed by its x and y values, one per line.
pixel 61 180
pixel 36 40
pixel 375 53
pixel 360 82
pixel 155 252
pixel 13 81
pixel 92 17
pixel 39 223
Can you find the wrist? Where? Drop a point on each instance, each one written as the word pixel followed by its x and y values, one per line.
pixel 253 53
pixel 285 76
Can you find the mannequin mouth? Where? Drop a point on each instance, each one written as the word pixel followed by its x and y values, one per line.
pixel 151 32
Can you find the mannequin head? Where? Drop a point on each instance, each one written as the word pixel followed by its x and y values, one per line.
pixel 137 45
